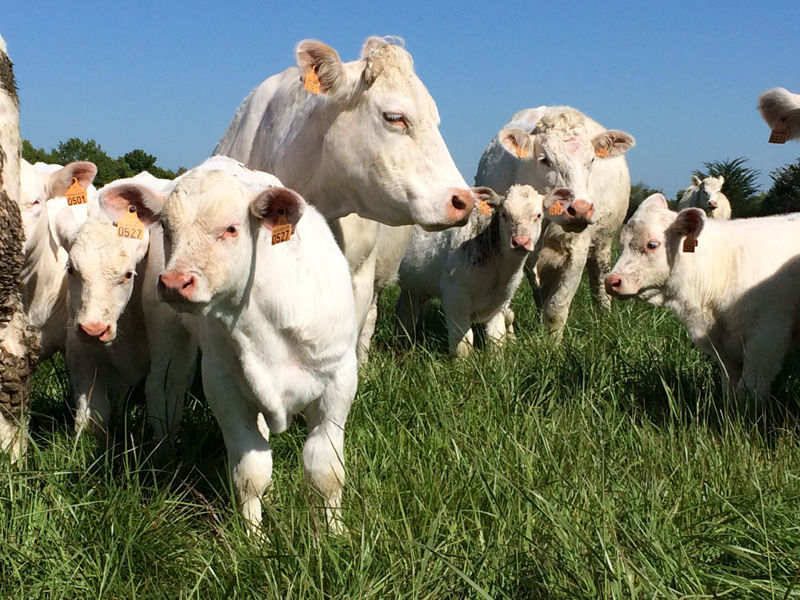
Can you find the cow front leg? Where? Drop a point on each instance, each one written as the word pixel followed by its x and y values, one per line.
pixel 598 265
pixel 497 329
pixel 559 280
pixel 459 327
pixel 764 352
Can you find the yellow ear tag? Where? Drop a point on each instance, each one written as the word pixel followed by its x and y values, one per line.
pixel 282 232
pixel 779 135
pixel 484 208
pixel 130 226
pixel 521 152
pixel 689 243
pixel 556 208
pixel 601 152
pixel 76 193
pixel 311 82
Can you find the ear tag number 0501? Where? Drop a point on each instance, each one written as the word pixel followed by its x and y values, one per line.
pixel 76 193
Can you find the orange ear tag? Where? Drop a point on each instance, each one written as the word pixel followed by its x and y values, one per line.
pixel 130 226
pixel 689 243
pixel 311 82
pixel 282 232
pixel 779 135
pixel 76 193
pixel 601 152
pixel 521 152
pixel 556 208
pixel 484 208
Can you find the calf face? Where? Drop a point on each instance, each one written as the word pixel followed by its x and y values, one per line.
pixel 557 153
pixel 102 263
pixel 384 148
pixel 521 217
pixel 649 242
pixel 211 227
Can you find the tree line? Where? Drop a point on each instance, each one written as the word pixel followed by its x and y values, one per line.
pixel 740 188
pixel 108 169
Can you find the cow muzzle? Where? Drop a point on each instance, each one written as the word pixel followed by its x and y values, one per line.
pixel 95 331
pixel 177 286
pixel 521 243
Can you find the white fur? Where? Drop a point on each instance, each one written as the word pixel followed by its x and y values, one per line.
pixel 737 293
pixel 567 139
pixel 780 107
pixel 707 195
pixel 275 323
pixel 473 269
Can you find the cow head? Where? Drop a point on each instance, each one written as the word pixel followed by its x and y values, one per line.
pixel 557 152
pixel 651 241
pixel 382 154
pixel 102 263
pixel 212 224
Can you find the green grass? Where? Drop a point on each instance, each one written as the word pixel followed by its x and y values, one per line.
pixel 604 467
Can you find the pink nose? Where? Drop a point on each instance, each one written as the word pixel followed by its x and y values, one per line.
pixel 613 283
pixel 521 242
pixel 460 205
pixel 96 330
pixel 580 210
pixel 177 282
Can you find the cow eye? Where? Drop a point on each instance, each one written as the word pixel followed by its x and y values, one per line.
pixel 543 160
pixel 396 119
pixel 231 231
pixel 653 244
pixel 127 276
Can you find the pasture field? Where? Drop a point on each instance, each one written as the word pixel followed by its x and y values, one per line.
pixel 603 467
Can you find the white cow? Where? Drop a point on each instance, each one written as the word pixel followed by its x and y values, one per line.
pixel 556 148
pixel 266 291
pixel 733 284
pixel 18 347
pixel 42 188
pixel 364 140
pixel 107 345
pixel 706 194
pixel 474 269
pixel 780 108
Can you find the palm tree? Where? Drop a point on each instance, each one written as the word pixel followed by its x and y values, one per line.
pixel 739 187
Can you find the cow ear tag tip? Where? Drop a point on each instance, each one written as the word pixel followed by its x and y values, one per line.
pixel 76 193
pixel 311 82
pixel 282 232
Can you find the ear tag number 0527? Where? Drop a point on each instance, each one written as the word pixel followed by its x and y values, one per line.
pixel 76 193
pixel 130 226
pixel 282 232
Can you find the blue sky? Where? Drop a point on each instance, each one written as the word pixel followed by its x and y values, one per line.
pixel 682 77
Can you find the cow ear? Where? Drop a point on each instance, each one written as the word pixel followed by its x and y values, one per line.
pixel 689 222
pixel 116 201
pixel 488 195
pixel 721 181
pixel 277 203
pixel 612 142
pixel 657 200
pixel 65 227
pixel 321 69
pixel 696 181
pixel 517 142
pixel 59 182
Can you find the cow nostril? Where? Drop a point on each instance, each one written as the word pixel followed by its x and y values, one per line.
pixel 571 211
pixel 458 203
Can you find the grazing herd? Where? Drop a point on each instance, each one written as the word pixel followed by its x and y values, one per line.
pixel 331 183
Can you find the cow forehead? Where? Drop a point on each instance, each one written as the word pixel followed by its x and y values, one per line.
pixel 712 184
pixel 98 244
pixel 564 132
pixel 206 198
pixel 522 199
pixel 395 75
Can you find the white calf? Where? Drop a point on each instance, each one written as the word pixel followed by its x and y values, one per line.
pixel 706 194
pixel 474 269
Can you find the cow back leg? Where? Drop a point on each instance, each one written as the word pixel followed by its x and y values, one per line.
pixel 410 306
pixel 323 452
pixel 598 265
pixel 764 352
pixel 368 328
pixel 249 452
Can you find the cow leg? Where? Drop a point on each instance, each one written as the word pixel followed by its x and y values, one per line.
pixel 559 278
pixel 92 406
pixel 173 357
pixel 368 329
pixel 249 452
pixel 459 330
pixel 598 265
pixel 323 452
pixel 764 352
pixel 496 329
pixel 407 313
pixel 18 350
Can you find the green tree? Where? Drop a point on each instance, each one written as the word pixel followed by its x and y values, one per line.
pixel 740 185
pixel 784 195
pixel 639 192
pixel 138 160
pixel 108 169
pixel 34 155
